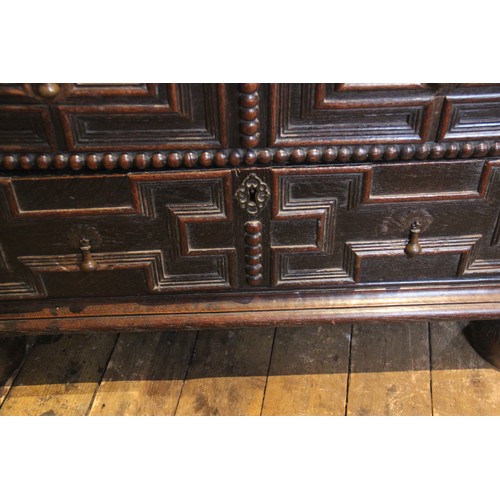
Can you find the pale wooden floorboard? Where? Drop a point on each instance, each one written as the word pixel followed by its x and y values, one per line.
pixel 384 369
pixel 145 374
pixel 228 373
pixel 390 372
pixel 308 372
pixel 60 378
pixel 462 382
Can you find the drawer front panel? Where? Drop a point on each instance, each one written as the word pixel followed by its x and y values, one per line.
pixel 158 234
pixel 222 230
pixel 350 225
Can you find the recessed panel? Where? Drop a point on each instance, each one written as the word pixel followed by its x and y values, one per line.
pixel 303 114
pixel 25 128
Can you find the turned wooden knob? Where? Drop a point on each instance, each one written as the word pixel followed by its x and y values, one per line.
pixel 413 247
pixel 48 89
pixel 88 263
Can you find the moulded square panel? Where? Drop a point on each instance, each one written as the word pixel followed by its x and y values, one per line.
pixel 308 114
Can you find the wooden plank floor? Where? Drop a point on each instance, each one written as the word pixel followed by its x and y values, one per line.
pixel 371 369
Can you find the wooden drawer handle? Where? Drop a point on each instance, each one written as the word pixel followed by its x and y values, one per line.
pixel 413 247
pixel 88 263
pixel 48 89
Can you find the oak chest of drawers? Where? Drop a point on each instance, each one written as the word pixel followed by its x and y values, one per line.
pixel 148 206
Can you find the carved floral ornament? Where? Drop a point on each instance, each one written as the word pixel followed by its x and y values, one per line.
pixel 253 194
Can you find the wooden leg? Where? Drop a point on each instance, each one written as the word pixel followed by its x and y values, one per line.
pixel 484 337
pixel 12 351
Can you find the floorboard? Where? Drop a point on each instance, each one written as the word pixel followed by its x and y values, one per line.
pixel 145 374
pixel 13 352
pixel 308 372
pixel 228 373
pixel 462 382
pixel 414 368
pixel 60 378
pixel 390 371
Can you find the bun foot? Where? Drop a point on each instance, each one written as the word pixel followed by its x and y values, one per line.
pixel 484 337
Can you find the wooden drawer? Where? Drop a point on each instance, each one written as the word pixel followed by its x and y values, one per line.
pixel 147 233
pixel 350 225
pixel 263 228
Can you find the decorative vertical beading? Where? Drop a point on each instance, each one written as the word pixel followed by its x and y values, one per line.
pixel 253 252
pixel 249 114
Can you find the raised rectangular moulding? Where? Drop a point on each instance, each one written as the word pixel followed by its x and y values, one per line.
pixel 470 116
pixel 185 116
pixel 26 128
pixel 308 114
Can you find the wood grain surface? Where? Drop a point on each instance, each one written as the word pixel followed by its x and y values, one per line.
pixel 462 382
pixel 381 369
pixel 390 371
pixel 228 373
pixel 60 378
pixel 145 374
pixel 308 372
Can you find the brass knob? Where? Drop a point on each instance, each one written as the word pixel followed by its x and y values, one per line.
pixel 413 247
pixel 48 89
pixel 88 263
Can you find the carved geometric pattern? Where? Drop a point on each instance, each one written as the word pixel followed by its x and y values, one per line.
pixel 176 121
pixel 26 128
pixel 307 254
pixel 319 114
pixel 470 116
pixel 323 211
pixel 166 206
pixel 465 245
pixel 153 262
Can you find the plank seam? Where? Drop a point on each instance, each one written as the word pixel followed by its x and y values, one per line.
pixel 268 371
pixel 348 378
pixel 16 373
pixel 429 329
pixel 91 404
pixel 193 350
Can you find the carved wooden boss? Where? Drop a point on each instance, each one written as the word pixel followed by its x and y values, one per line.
pixel 148 206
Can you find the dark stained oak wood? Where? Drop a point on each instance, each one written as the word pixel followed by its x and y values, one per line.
pixel 161 205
